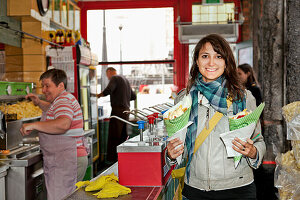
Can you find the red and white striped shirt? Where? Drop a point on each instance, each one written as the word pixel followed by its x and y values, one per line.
pixel 66 105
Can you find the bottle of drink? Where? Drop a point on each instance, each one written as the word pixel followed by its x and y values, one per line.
pixel 57 38
pixel 62 37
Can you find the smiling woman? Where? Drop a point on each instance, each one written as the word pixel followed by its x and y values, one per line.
pixel 213 84
pixel 210 63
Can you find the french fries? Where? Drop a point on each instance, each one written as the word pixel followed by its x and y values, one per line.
pixel 176 113
pixel 23 109
pixel 241 114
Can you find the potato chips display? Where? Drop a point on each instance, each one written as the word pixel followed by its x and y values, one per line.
pixel 287 175
pixel 287 172
pixel 289 111
pixel 23 109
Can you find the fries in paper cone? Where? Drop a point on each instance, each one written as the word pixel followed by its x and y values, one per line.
pixel 244 119
pixel 177 117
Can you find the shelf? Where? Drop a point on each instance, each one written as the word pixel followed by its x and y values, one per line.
pixel 95 141
pixel 30 119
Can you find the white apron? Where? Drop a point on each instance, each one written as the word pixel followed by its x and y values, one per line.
pixel 60 164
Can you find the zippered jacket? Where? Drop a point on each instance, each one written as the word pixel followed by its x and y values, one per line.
pixel 211 169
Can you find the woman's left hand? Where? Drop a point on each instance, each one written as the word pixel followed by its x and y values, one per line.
pixel 245 148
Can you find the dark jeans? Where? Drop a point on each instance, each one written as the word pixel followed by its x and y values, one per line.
pixel 247 192
pixel 264 181
pixel 117 132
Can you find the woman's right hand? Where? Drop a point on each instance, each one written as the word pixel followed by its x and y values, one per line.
pixel 173 150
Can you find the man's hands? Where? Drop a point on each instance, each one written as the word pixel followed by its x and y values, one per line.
pixel 173 149
pixel 27 128
pixel 34 98
pixel 100 95
pixel 54 127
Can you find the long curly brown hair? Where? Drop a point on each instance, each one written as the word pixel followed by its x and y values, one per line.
pixel 221 46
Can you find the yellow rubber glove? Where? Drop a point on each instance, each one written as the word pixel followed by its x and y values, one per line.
pixel 101 181
pixel 113 190
pixel 80 184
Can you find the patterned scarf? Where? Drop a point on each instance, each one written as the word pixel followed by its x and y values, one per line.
pixel 216 94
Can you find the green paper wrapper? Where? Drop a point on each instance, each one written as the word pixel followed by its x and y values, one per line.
pixel 174 125
pixel 246 120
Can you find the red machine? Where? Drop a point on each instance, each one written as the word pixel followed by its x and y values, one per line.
pixel 142 165
pixel 141 161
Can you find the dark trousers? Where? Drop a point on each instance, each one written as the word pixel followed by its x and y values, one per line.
pixel 247 192
pixel 117 132
pixel 264 181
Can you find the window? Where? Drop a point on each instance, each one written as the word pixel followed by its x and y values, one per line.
pixel 137 35
pixel 145 34
pixel 213 14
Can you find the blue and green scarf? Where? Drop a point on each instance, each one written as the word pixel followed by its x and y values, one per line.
pixel 216 93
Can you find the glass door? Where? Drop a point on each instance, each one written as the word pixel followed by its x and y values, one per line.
pixel 85 95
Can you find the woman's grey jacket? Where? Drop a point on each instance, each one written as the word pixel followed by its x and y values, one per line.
pixel 211 169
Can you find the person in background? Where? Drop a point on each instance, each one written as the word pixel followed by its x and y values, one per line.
pixel 120 96
pixel 209 173
pixel 247 78
pixel 60 131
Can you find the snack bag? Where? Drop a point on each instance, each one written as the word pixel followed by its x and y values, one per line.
pixel 177 117
pixel 291 114
pixel 287 176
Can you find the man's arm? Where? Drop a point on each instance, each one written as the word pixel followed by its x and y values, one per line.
pixel 132 95
pixel 44 105
pixel 100 95
pixel 54 127
pixel 109 88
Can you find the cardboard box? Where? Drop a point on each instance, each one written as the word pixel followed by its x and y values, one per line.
pixel 21 7
pixel 14 63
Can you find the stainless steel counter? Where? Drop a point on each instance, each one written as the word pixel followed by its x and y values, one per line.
pixel 24 178
pixel 89 132
pixel 3 169
pixel 134 145
pixel 149 144
pixel 3 173
pixel 137 193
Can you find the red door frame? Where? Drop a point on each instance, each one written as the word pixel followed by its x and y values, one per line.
pixel 182 8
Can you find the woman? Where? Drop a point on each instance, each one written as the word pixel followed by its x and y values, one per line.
pixel 246 75
pixel 209 173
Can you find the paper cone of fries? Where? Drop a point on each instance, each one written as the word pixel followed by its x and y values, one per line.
pixel 173 122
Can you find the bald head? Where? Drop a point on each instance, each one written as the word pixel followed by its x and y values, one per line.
pixel 110 72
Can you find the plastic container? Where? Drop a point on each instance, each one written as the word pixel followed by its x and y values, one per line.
pixel 15 88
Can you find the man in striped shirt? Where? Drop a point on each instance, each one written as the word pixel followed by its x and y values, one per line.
pixel 60 131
